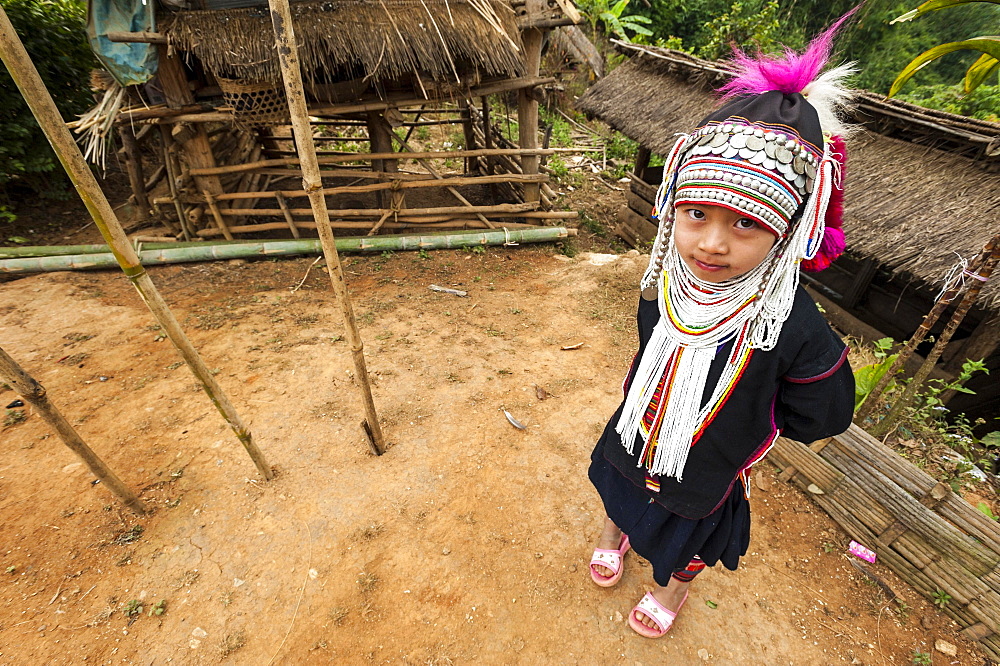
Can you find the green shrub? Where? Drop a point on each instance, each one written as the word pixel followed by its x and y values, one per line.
pixel 54 34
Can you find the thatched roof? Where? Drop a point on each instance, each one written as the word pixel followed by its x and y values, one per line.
pixel 438 40
pixel 920 193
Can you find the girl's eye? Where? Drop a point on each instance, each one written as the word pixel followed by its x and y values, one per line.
pixel 745 223
pixel 695 214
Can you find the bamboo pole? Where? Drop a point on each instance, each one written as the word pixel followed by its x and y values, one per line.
pixel 405 212
pixel 871 402
pixel 34 393
pixel 26 77
pixel 168 253
pixel 979 277
pixel 407 182
pixel 288 58
pixel 219 220
pixel 365 157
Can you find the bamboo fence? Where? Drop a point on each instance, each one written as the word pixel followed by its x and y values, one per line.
pixel 930 536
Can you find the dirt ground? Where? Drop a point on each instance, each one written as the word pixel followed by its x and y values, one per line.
pixel 467 542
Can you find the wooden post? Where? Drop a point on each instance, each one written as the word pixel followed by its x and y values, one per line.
pixel 487 134
pixel 34 394
pixel 49 119
pixel 171 165
pixel 641 162
pixel 133 165
pixel 380 135
pixel 195 144
pixel 859 286
pixel 471 163
pixel 288 57
pixel 527 105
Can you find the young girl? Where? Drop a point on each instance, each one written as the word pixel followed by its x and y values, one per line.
pixel 732 351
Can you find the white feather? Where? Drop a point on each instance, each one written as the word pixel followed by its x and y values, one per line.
pixel 832 99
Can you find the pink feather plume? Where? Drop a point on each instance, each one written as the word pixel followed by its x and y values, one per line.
pixel 789 72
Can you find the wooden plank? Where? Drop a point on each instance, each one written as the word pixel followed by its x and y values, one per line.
pixel 640 206
pixel 643 189
pixel 633 228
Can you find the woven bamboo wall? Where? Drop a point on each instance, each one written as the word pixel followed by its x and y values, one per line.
pixel 928 535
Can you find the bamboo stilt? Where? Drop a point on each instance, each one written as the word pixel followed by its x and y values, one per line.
pixel 219 220
pixel 291 74
pixel 34 394
pixel 49 119
pixel 287 213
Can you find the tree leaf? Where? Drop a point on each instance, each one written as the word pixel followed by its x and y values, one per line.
pixel 711 604
pixel 980 71
pixel 988 44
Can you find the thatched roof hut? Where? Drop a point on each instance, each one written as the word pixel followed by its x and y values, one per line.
pixel 370 67
pixel 923 185
pixel 458 41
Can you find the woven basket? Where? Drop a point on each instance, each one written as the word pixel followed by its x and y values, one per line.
pixel 255 103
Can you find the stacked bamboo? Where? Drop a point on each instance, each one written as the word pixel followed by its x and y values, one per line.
pixel 931 537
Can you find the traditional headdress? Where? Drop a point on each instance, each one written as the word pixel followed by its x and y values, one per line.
pixel 771 153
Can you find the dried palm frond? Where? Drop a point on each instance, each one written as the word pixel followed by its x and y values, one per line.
pixel 95 127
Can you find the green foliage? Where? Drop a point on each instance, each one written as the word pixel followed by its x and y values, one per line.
pixel 982 103
pixel 941 598
pixel 746 22
pixel 922 658
pixel 986 511
pixel 867 377
pixel 53 33
pixel 880 49
pixel 612 20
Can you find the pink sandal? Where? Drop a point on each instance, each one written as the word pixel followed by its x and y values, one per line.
pixel 661 616
pixel 611 559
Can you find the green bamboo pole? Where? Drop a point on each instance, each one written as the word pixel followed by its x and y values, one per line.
pixel 427 240
pixel 34 393
pixel 38 99
pixel 211 252
pixel 312 182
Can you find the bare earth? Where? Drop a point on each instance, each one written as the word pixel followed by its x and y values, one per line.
pixel 467 542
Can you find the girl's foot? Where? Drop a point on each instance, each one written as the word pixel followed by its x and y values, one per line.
pixel 610 539
pixel 670 597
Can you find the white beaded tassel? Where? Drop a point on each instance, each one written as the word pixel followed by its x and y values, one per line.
pixel 664 211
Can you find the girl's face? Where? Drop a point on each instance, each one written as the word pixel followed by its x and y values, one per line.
pixel 717 243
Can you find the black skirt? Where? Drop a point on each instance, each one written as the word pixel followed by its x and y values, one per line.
pixel 669 541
